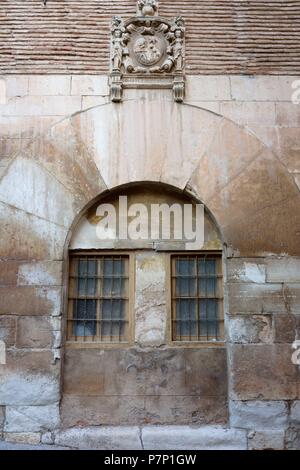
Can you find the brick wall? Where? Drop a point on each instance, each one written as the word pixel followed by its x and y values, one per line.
pixel 223 36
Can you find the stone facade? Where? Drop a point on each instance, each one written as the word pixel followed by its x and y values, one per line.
pixel 232 144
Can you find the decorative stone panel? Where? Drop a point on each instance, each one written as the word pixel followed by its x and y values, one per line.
pixel 147 51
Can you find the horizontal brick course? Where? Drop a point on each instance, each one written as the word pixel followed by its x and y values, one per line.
pixel 223 36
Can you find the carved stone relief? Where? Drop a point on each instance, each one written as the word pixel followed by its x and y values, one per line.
pixel 147 51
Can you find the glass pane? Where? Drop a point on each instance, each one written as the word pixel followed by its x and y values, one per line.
pixel 186 317
pixel 211 266
pixel 84 310
pixel 208 317
pixel 113 287
pixel 185 267
pixel 86 284
pixel 186 287
pixel 113 317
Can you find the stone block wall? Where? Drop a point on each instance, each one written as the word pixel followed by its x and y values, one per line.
pixel 234 144
pixel 263 323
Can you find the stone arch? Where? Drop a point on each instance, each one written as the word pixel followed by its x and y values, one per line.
pixel 249 192
pixel 92 372
pixel 224 165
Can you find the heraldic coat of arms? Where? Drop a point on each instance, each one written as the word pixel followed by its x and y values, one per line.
pixel 149 47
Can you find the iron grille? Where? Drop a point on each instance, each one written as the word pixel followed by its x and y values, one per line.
pixel 197 300
pixel 98 299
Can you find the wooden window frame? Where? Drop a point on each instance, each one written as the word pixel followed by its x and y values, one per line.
pixel 82 343
pixel 187 343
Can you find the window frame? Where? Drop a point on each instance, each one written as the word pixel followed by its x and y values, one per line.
pixel 169 273
pixel 81 343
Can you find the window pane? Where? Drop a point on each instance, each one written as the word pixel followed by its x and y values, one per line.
pixel 87 270
pixel 208 318
pixel 196 298
pixel 186 317
pixel 113 317
pixel 186 285
pixel 84 310
pixel 99 298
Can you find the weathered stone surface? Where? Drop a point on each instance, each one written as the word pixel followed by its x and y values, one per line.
pixel 30 301
pixel 42 106
pixel 33 447
pixel 283 270
pixel 57 85
pixel 34 332
pixel 250 329
pixel 8 330
pixel 258 415
pixel 48 273
pixel 287 114
pixel 246 270
pixel 47 438
pixel 213 106
pixel 286 328
pixel 16 85
pixel 249 113
pixel 84 372
pixel 292 438
pixel 90 85
pixel 1 417
pixel 145 372
pixel 291 294
pixel 110 386
pixel 37 199
pixel 150 300
pixel 104 438
pixel 92 101
pixel 263 372
pixel 270 203
pixel 256 299
pixel 261 88
pixel 29 379
pixel 64 153
pixel 222 160
pixel 206 372
pixel 207 88
pixel 160 155
pixel 168 410
pixel 289 144
pixel 295 411
pixel 8 272
pixel 29 237
pixel 188 438
pixel 31 438
pixel 102 410
pixel 270 440
pixel 31 418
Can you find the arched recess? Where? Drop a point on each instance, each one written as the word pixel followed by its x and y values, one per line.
pixel 158 355
pixel 248 190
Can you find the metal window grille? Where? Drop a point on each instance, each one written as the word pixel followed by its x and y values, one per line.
pixel 197 298
pixel 98 299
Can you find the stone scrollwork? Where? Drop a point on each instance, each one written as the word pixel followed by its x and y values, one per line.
pixel 147 48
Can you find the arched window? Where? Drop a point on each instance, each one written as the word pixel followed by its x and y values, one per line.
pixel 116 273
